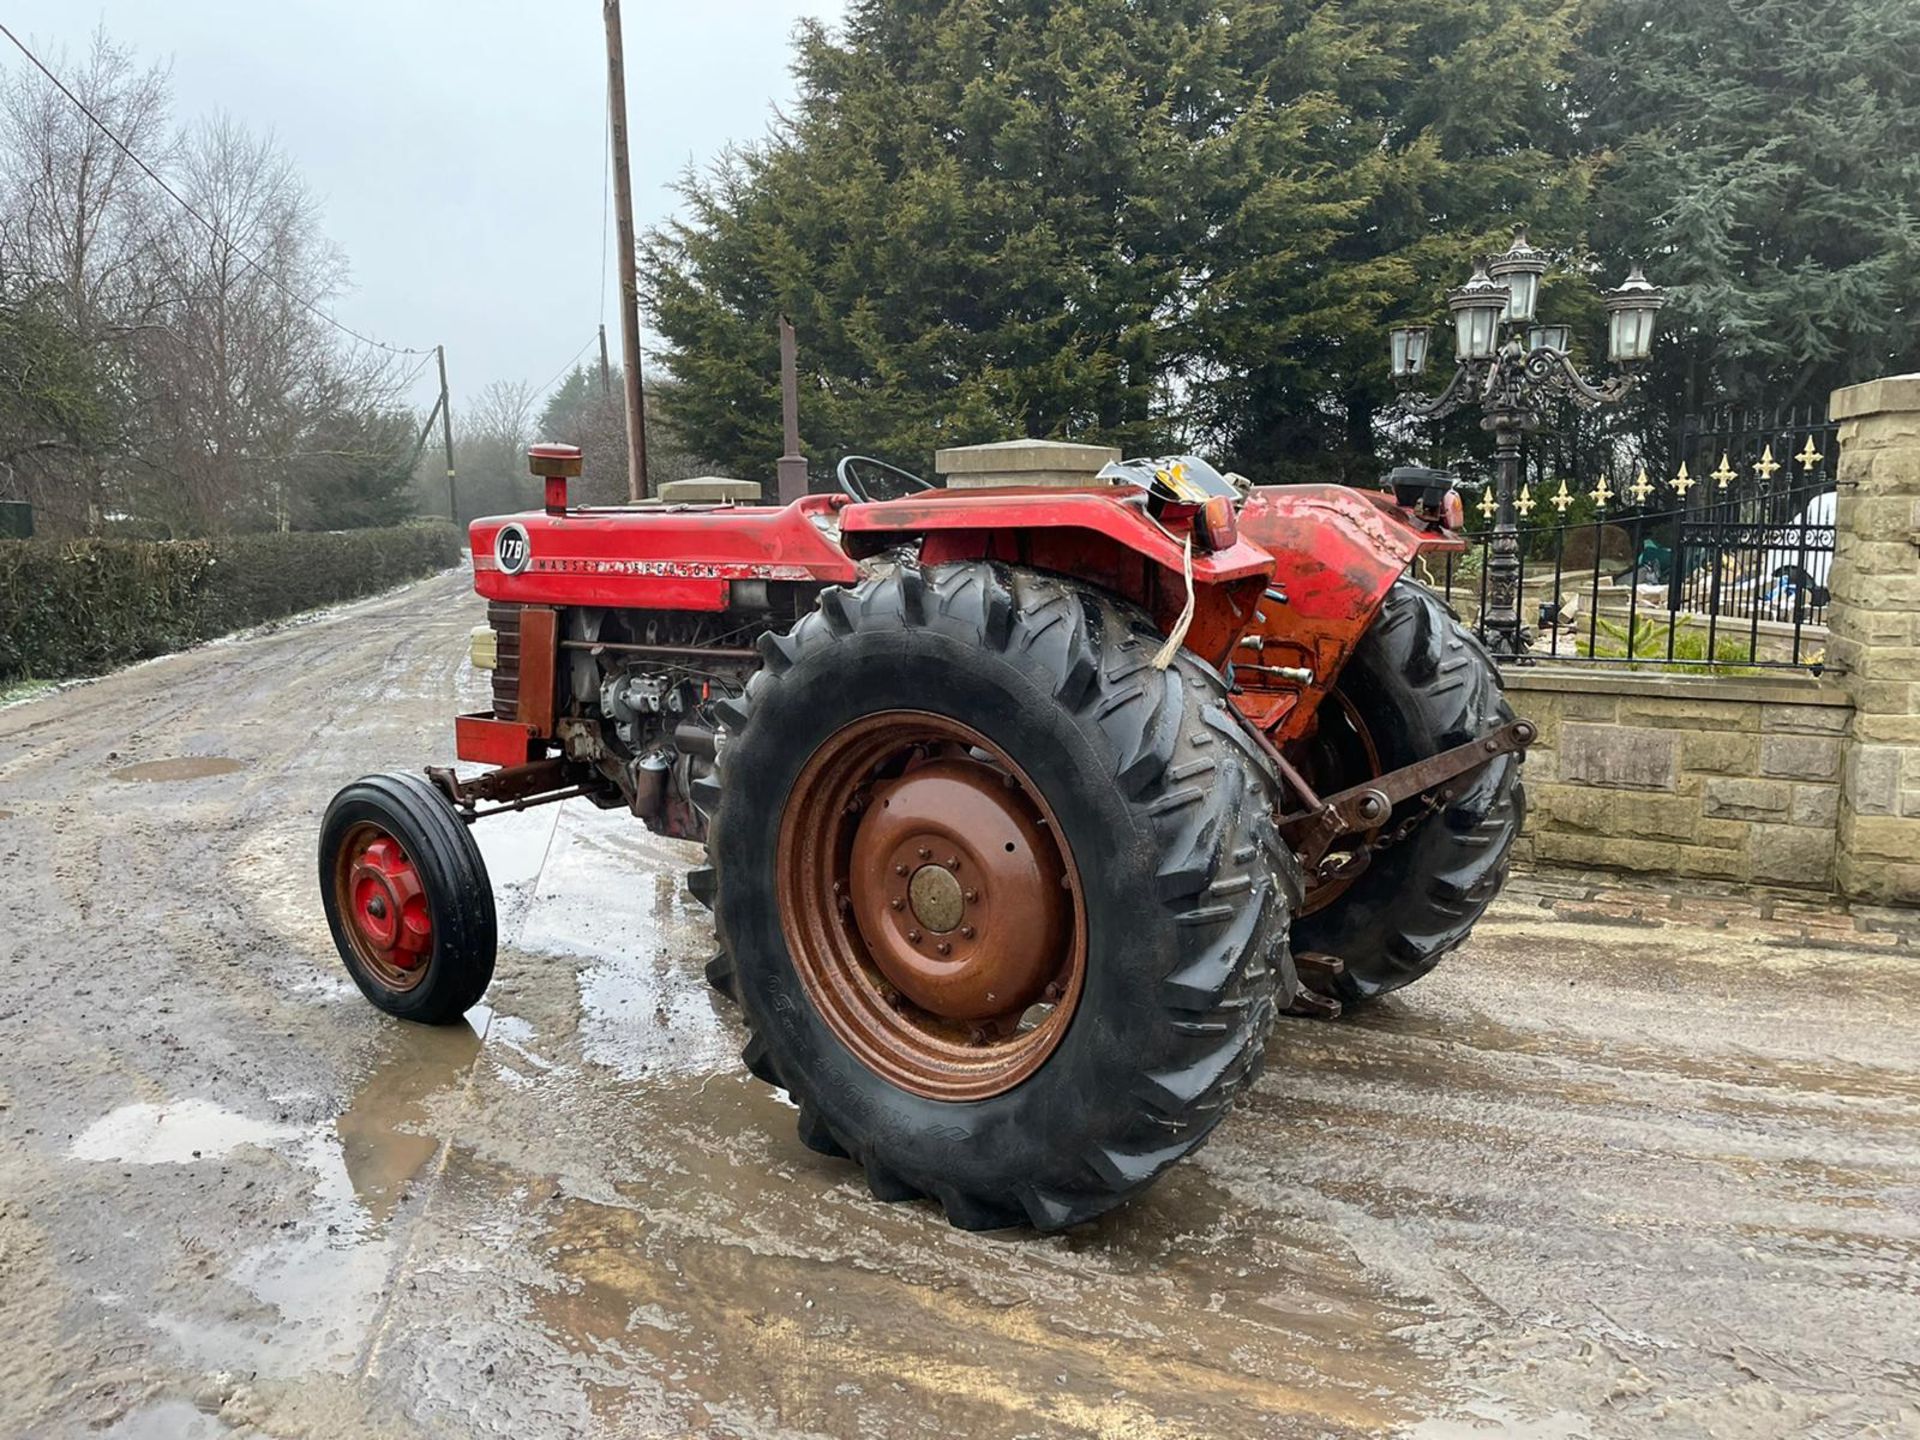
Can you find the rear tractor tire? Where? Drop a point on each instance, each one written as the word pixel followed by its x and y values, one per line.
pixel 407 898
pixel 1003 905
pixel 1419 682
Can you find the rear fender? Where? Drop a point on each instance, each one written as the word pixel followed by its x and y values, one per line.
pixel 1092 535
pixel 1336 553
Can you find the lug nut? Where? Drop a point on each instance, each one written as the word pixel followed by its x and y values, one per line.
pixel 925 853
pixel 966 932
pixel 898 903
pixel 899 869
pixel 972 896
pixel 953 862
pixel 944 948
pixel 914 936
pixel 1053 991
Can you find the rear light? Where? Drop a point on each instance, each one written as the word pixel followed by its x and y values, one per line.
pixel 1215 525
pixel 1453 514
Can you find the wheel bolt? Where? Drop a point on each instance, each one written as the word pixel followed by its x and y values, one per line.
pixel 377 907
pixel 898 903
pixel 972 896
pixel 914 936
pixel 944 948
pixel 925 853
pixel 1053 991
pixel 953 862
pixel 966 932
pixel 899 869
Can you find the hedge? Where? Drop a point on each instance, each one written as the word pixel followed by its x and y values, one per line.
pixel 82 607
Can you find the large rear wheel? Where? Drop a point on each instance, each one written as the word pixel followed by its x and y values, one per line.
pixel 1003 905
pixel 1419 682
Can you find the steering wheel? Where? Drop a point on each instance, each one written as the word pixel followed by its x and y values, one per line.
pixel 849 475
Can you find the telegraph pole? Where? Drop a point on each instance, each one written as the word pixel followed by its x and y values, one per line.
pixel 790 474
pixel 629 281
pixel 606 375
pixel 446 435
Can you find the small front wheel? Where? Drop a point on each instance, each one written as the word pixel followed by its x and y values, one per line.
pixel 407 898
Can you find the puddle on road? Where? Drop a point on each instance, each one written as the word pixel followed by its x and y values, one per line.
pixel 180 1132
pixel 165 1420
pixel 758 1280
pixel 613 893
pixel 191 767
pixel 325 1273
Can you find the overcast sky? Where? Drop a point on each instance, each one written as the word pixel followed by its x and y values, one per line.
pixel 456 146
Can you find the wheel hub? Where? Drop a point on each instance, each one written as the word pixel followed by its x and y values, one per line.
pixel 387 908
pixel 957 890
pixel 936 897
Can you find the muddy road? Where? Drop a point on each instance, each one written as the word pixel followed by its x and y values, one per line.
pixel 1637 1164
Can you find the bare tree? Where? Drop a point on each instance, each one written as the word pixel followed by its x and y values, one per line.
pixel 240 367
pixel 76 221
pixel 78 212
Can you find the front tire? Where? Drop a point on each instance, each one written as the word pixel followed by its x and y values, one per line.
pixel 1147 811
pixel 1419 682
pixel 407 899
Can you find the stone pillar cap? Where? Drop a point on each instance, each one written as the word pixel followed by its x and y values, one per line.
pixel 1876 397
pixel 709 490
pixel 1013 456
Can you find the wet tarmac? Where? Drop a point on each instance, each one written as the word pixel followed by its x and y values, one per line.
pixel 1589 1180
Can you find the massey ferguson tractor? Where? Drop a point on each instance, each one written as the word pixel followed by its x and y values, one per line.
pixel 1026 809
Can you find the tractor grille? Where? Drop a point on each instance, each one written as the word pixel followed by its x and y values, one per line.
pixel 505 620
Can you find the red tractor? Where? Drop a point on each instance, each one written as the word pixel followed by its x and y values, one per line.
pixel 1026 809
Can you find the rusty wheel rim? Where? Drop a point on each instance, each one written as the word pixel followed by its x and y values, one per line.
pixel 931 906
pixel 383 908
pixel 1332 763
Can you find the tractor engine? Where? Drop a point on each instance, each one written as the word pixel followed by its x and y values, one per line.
pixel 634 691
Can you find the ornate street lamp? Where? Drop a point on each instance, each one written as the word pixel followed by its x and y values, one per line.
pixel 1513 382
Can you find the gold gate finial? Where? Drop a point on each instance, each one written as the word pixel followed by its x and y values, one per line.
pixel 1682 482
pixel 1766 464
pixel 1808 456
pixel 1726 474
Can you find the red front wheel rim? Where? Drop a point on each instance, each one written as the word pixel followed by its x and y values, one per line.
pixel 382 905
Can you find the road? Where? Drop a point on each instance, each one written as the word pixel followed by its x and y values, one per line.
pixel 1628 1163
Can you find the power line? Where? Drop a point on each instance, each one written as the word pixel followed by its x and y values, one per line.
pixel 211 228
pixel 566 368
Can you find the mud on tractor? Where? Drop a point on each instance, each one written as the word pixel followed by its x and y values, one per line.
pixel 1026 809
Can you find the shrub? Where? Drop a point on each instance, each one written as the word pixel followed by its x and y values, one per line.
pixel 82 607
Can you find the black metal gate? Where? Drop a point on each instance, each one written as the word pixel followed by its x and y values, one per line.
pixel 1713 550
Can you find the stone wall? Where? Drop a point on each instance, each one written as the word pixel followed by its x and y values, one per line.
pixel 1875 644
pixel 1733 779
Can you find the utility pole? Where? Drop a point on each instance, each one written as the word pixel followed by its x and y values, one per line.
pixel 446 435
pixel 637 488
pixel 606 375
pixel 790 474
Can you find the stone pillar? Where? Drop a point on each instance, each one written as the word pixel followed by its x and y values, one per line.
pixel 1875 636
pixel 1021 462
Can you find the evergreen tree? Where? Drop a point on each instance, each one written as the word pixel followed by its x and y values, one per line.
pixel 1764 157
pixel 1183 221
